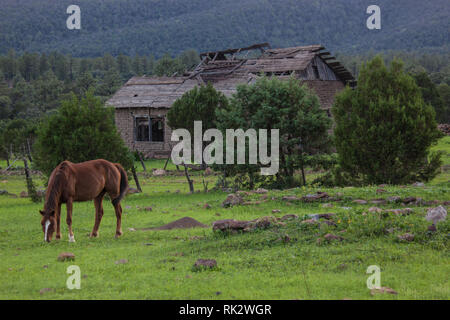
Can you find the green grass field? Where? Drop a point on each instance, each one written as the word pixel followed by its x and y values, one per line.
pixel 255 265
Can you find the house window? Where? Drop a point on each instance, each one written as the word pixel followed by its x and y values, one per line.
pixel 157 130
pixel 142 129
pixel 149 129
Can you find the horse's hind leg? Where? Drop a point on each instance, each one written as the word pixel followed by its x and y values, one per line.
pixel 58 221
pixel 118 209
pixel 98 214
pixel 69 206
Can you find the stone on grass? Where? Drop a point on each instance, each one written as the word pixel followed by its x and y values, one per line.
pixel 205 264
pixel 382 290
pixel 331 237
pixel 289 217
pixel 394 199
pixel 418 184
pixel 159 172
pixel 290 198
pixel 45 290
pixel 232 200
pixel 208 171
pixel 406 237
pixel 319 196
pixel 375 209
pixel 66 256
pixel 23 194
pixel 359 201
pixel 409 200
pixel 261 191
pixel 132 191
pixel 121 261
pixel 229 225
pixel 276 211
pixel 436 215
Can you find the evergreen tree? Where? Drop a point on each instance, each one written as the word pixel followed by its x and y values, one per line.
pixel 384 129
pixel 81 130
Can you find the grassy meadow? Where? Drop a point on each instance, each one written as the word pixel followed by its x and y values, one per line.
pixel 281 262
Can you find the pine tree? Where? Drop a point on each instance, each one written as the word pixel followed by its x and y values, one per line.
pixel 384 129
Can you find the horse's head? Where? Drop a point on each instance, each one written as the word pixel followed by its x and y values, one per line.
pixel 48 223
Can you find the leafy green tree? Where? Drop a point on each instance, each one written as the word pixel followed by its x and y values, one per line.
pixel 444 92
pixel 271 103
pixel 81 130
pixel 430 94
pixel 167 66
pixel 198 104
pixel 384 129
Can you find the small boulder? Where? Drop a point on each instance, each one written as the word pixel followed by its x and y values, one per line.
pixel 375 209
pixel 276 211
pixel 394 199
pixel 23 194
pixel 418 184
pixel 159 172
pixel 261 191
pixel 232 200
pixel 289 217
pixel 229 225
pixel 359 201
pixel 331 237
pixel 409 200
pixel 66 256
pixel 121 261
pixel 382 290
pixel 290 198
pixel 406 237
pixel 206 206
pixel 436 215
pixel 205 264
pixel 132 191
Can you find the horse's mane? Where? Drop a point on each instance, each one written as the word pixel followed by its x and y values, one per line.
pixel 55 186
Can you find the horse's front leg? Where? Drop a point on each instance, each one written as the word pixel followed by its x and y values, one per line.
pixel 58 221
pixel 69 219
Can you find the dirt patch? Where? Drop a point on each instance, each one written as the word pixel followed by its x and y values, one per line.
pixel 183 223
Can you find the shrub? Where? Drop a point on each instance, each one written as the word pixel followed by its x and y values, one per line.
pixel 384 130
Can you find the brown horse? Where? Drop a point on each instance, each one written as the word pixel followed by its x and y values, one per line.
pixel 84 181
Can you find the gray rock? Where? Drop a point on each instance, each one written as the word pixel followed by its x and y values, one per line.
pixel 436 214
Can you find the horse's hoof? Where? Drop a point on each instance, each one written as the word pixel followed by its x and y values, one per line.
pixel 71 238
pixel 58 237
pixel 93 235
pixel 118 234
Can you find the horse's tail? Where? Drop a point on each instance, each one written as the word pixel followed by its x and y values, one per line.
pixel 123 184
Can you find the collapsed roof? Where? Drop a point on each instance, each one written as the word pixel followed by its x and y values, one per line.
pixel 227 68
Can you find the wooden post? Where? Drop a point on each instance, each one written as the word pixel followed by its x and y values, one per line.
pixel 142 161
pixel 191 183
pixel 138 185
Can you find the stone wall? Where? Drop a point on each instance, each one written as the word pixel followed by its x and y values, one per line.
pixel 326 91
pixel 124 118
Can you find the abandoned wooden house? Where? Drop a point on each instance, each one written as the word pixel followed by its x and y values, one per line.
pixel 142 103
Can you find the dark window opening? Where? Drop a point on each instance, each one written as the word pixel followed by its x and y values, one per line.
pixel 142 129
pixel 148 129
pixel 157 130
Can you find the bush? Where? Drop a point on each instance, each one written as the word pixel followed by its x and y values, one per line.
pixel 384 130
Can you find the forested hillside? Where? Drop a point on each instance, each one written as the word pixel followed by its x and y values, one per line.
pixel 161 26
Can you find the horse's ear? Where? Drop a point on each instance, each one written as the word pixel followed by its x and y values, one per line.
pixel 41 212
